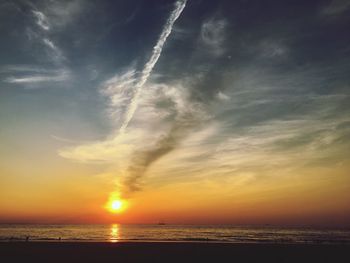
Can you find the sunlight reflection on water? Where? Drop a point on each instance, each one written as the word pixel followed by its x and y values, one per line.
pixel 114 235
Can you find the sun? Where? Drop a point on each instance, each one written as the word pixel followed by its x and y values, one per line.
pixel 115 204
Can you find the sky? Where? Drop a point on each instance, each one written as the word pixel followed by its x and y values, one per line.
pixel 192 112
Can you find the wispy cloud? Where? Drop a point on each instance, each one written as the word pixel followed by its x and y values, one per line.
pixel 213 35
pixel 222 96
pixel 50 44
pixel 24 68
pixel 41 20
pixel 336 7
pixel 55 52
pixel 147 70
pixel 55 76
pixel 273 48
pixel 34 74
pixel 62 13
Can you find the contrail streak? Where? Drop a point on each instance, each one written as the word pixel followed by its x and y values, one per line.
pixel 147 70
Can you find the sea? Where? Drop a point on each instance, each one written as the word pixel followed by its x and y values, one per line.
pixel 171 233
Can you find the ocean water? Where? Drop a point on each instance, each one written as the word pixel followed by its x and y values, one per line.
pixel 190 233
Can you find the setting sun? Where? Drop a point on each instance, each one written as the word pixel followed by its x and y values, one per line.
pixel 115 204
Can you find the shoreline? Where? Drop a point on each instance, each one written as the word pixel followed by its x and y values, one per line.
pixel 171 252
pixel 94 241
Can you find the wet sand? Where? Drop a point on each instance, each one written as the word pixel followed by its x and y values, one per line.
pixel 170 252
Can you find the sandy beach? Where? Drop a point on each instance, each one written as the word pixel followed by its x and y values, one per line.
pixel 170 252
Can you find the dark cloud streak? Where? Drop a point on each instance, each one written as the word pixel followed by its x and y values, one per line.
pixel 141 160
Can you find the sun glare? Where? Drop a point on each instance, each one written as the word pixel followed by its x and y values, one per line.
pixel 116 205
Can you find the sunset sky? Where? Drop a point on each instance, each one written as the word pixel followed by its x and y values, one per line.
pixel 198 111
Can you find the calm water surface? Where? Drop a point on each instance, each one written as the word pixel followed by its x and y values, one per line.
pixel 117 233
